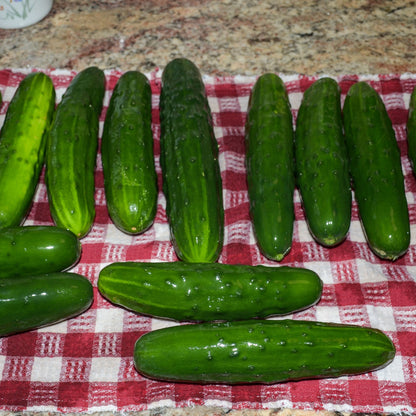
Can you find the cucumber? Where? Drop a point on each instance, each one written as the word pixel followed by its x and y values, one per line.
pixel 261 351
pixel 270 166
pixel 36 301
pixel 22 146
pixel 411 131
pixel 72 151
pixel 322 172
pixel 214 291
pixel 130 179
pixel 37 249
pixel 190 168
pixel 376 171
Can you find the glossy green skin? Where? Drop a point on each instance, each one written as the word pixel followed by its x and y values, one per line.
pixel 127 155
pixel 322 163
pixel 375 164
pixel 36 249
pixel 270 166
pixel 72 151
pixel 411 130
pixel 22 146
pixel 202 292
pixel 257 351
pixel 36 301
pixel 189 160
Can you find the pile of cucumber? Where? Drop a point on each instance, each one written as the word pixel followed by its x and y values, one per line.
pixel 330 152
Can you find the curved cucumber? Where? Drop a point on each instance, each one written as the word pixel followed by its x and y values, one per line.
pixel 72 151
pixel 22 146
pixel 127 155
pixel 203 292
pixel 270 166
pixel 322 163
pixel 37 250
pixel 411 130
pixel 36 301
pixel 260 351
pixel 189 160
pixel 376 171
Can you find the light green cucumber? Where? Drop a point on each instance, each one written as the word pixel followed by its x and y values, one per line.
pixel 22 146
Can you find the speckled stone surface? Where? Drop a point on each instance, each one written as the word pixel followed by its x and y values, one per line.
pixel 221 36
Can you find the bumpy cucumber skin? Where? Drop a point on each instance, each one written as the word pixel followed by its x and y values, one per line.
pixel 72 151
pixel 245 352
pixel 130 179
pixel 22 146
pixel 202 292
pixel 36 301
pixel 189 159
pixel 37 249
pixel 411 131
pixel 322 163
pixel 270 166
pixel 376 171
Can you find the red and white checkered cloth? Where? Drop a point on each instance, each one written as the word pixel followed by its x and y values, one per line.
pixel 85 364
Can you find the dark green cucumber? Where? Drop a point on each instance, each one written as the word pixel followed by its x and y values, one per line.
pixel 260 351
pixel 36 301
pixel 189 160
pixel 411 130
pixel 270 166
pixel 375 164
pixel 127 155
pixel 37 250
pixel 202 292
pixel 72 151
pixel 321 158
pixel 22 146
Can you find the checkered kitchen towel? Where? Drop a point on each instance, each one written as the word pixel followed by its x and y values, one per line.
pixel 85 364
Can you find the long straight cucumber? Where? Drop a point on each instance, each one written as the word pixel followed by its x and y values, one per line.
pixel 260 351
pixel 375 165
pixel 270 166
pixel 202 292
pixel 321 157
pixel 37 249
pixel 36 301
pixel 22 146
pixel 127 155
pixel 411 130
pixel 189 161
pixel 72 151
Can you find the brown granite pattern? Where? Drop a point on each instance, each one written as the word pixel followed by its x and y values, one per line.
pixel 222 37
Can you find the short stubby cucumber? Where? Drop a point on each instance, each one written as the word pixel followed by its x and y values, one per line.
pixel 411 130
pixel 214 291
pixel 189 160
pixel 72 151
pixel 321 158
pixel 260 351
pixel 37 249
pixel 22 146
pixel 127 155
pixel 375 165
pixel 270 166
pixel 37 301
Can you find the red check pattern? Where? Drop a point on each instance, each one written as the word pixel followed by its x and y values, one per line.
pixel 85 364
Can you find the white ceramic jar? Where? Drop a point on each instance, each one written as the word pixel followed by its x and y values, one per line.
pixel 15 14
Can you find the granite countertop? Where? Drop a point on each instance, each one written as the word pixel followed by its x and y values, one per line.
pixel 223 37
